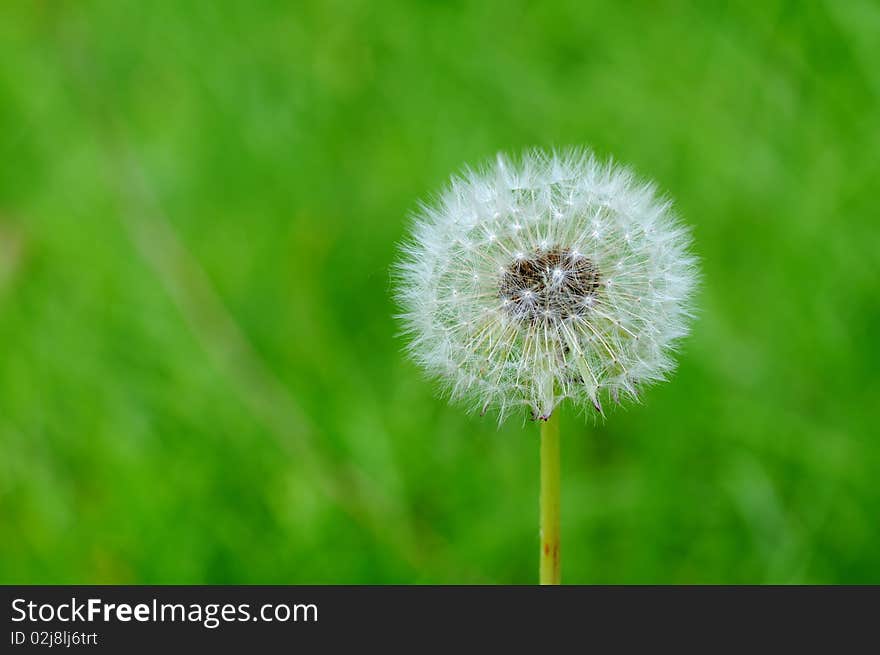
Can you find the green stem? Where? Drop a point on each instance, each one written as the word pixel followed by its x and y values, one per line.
pixel 550 555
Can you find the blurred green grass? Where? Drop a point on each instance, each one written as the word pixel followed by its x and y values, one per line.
pixel 199 376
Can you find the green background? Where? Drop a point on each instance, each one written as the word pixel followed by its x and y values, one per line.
pixel 200 378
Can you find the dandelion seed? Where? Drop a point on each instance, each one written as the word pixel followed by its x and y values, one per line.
pixel 634 271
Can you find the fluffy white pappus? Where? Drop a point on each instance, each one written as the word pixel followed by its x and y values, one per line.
pixel 548 277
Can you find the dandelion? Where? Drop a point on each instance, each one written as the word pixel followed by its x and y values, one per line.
pixel 549 277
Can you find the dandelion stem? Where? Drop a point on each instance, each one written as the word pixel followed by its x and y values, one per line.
pixel 550 555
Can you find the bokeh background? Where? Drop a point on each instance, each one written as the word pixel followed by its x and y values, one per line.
pixel 200 378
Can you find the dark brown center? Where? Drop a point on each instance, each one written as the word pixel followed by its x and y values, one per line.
pixel 549 285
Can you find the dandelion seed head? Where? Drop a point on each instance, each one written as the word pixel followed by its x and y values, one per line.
pixel 547 277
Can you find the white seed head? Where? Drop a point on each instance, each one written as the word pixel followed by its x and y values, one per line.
pixel 549 277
